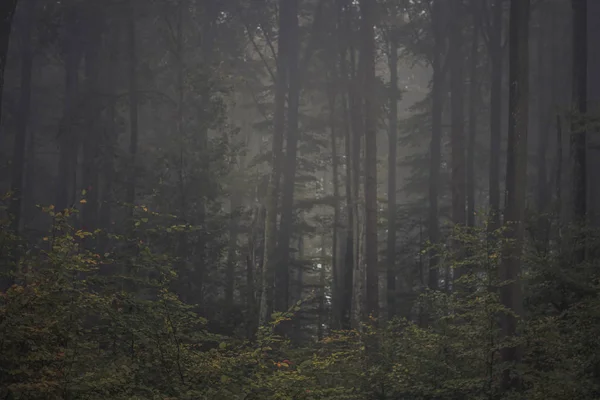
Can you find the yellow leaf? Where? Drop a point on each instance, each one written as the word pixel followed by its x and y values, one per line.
pixel 82 201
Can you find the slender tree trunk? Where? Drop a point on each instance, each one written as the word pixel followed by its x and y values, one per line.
pixel 473 109
pixel 68 138
pixel 392 161
pixel 348 261
pixel 269 262
pixel 437 97
pixel 236 202
pixel 579 110
pixel 20 144
pixel 90 175
pixel 335 267
pixel 289 169
pixel 7 10
pixel 371 244
pixel 456 60
pixel 516 183
pixel 321 296
pixel 542 111
pixel 133 104
pixel 107 198
pixel 495 51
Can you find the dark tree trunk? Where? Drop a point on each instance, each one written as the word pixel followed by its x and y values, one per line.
pixel 495 51
pixel 392 161
pixel 473 109
pixel 68 138
pixel 516 184
pixel 368 90
pixel 456 60
pixel 289 170
pixel 272 201
pixel 91 168
pixel 236 202
pixel 437 98
pixel 133 105
pixel 335 265
pixel 7 11
pixel 20 144
pixel 578 123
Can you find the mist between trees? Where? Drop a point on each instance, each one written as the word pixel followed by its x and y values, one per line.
pixel 299 199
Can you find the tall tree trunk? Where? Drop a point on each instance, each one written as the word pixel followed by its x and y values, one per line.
pixel 90 175
pixel 392 161
pixel 437 98
pixel 348 261
pixel 458 124
pixel 68 139
pixel 269 262
pixel 289 170
pixel 495 51
pixel 236 202
pixel 321 317
pixel 133 104
pixel 20 144
pixel 543 114
pixel 335 265
pixel 579 109
pixel 368 88
pixel 473 109
pixel 516 183
pixel 7 10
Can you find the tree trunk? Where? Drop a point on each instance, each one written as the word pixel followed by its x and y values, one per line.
pixel 473 109
pixel 7 10
pixel 335 265
pixel 578 122
pixel 437 98
pixel 495 51
pixel 368 88
pixel 458 124
pixel 392 167
pixel 269 261
pixel 20 144
pixel 69 140
pixel 516 183
pixel 289 170
pixel 93 134
pixel 236 202
pixel 348 261
pixel 133 105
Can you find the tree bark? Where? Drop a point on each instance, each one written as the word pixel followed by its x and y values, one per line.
pixel 7 11
pixel 392 173
pixel 578 122
pixel 289 169
pixel 133 105
pixel 269 264
pixel 516 184
pixel 370 120
pixel 458 124
pixel 437 98
pixel 473 109
pixel 495 52
pixel 68 139
pixel 20 144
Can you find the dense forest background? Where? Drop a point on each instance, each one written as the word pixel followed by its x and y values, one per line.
pixel 299 199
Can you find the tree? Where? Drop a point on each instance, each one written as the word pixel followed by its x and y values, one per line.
pixel 392 176
pixel 367 8
pixel 7 10
pixel 579 108
pixel 19 150
pixel 269 262
pixel 516 182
